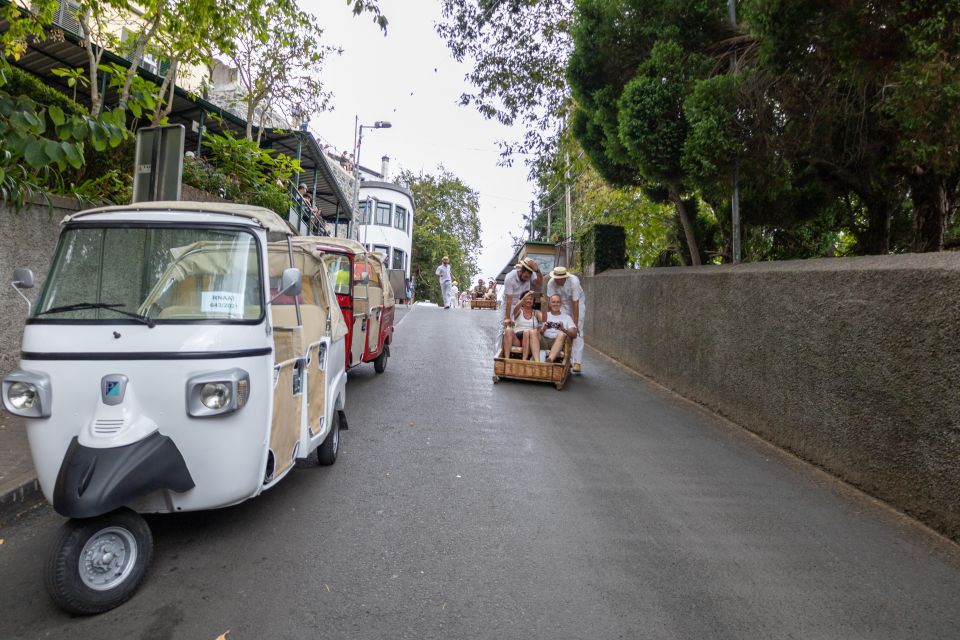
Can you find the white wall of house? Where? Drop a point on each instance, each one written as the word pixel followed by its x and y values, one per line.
pixel 388 224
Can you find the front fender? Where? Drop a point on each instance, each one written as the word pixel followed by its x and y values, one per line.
pixel 92 482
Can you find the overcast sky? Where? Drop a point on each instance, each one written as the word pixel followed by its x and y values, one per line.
pixel 410 79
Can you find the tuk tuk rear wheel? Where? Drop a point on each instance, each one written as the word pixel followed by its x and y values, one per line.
pixel 97 564
pixel 330 447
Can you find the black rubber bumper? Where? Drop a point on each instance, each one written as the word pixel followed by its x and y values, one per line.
pixel 92 482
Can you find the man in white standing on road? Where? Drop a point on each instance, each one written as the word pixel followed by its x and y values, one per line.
pixel 567 286
pixel 443 275
pixel 454 294
pixel 525 276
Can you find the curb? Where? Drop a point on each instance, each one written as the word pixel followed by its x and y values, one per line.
pixel 19 499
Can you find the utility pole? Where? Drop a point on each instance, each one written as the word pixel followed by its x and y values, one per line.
pixel 532 216
pixel 568 213
pixel 735 196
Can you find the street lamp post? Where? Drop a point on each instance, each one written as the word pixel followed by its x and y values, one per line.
pixel 379 124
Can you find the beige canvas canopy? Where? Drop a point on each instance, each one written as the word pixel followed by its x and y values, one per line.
pixel 312 267
pixel 266 218
pixel 346 243
pixel 375 262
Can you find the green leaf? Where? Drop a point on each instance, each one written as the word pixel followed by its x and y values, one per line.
pixel 34 154
pixel 74 155
pixel 53 151
pixel 56 114
pixel 80 131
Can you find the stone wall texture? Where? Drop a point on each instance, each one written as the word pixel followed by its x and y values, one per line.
pixel 28 238
pixel 852 364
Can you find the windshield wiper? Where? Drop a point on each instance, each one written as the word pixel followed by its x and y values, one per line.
pixel 83 306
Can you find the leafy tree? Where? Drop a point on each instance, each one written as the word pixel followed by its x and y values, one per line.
pixel 868 95
pixel 279 56
pixel 635 62
pixel 519 51
pixel 445 223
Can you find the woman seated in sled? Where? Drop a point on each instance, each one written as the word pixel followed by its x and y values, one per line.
pixel 521 329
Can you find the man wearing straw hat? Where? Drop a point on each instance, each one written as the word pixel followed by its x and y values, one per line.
pixel 524 277
pixel 443 275
pixel 567 286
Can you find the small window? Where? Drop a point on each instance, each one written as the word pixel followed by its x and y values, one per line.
pixel 383 213
pixel 400 218
pixel 365 212
pixel 384 251
pixel 398 260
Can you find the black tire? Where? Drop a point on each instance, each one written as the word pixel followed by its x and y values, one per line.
pixel 85 588
pixel 380 364
pixel 330 447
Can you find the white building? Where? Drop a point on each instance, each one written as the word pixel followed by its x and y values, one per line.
pixel 385 217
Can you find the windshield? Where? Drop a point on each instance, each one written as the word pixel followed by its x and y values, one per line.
pixel 338 269
pixel 155 274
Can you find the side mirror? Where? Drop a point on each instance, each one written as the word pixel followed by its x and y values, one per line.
pixel 22 278
pixel 291 283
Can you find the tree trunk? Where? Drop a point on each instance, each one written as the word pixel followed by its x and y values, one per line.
pixel 876 239
pixel 93 62
pixel 166 93
pixel 931 211
pixel 688 231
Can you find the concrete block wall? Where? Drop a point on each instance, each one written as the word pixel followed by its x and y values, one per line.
pixel 852 364
pixel 28 238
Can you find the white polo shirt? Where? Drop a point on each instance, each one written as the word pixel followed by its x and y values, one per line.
pixel 571 291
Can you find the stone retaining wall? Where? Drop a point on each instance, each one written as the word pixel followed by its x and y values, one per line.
pixel 27 239
pixel 852 364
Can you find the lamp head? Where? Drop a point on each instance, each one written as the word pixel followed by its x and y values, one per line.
pixel 381 124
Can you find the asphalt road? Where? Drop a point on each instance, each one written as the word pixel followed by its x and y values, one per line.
pixel 463 509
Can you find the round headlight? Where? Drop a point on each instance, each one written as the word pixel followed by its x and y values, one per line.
pixel 22 395
pixel 215 395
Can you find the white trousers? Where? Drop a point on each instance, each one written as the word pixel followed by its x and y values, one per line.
pixel 576 352
pixel 445 292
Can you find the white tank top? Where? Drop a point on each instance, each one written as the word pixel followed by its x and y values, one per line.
pixel 522 324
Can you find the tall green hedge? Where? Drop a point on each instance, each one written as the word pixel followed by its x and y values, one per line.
pixel 24 83
pixel 604 246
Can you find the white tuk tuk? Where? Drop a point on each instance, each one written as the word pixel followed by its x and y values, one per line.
pixel 180 356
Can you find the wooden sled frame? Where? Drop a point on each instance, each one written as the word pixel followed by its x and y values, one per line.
pixel 482 303
pixel 516 369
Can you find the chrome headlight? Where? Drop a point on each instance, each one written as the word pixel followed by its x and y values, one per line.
pixel 23 396
pixel 217 393
pixel 27 394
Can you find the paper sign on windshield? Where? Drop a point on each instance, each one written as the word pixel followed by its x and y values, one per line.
pixel 222 302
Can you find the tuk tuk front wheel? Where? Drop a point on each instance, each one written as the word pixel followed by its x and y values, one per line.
pixel 97 563
pixel 330 447
pixel 380 364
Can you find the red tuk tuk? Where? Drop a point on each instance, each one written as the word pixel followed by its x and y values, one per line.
pixel 366 299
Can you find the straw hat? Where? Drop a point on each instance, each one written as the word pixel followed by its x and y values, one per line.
pixel 559 273
pixel 529 264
